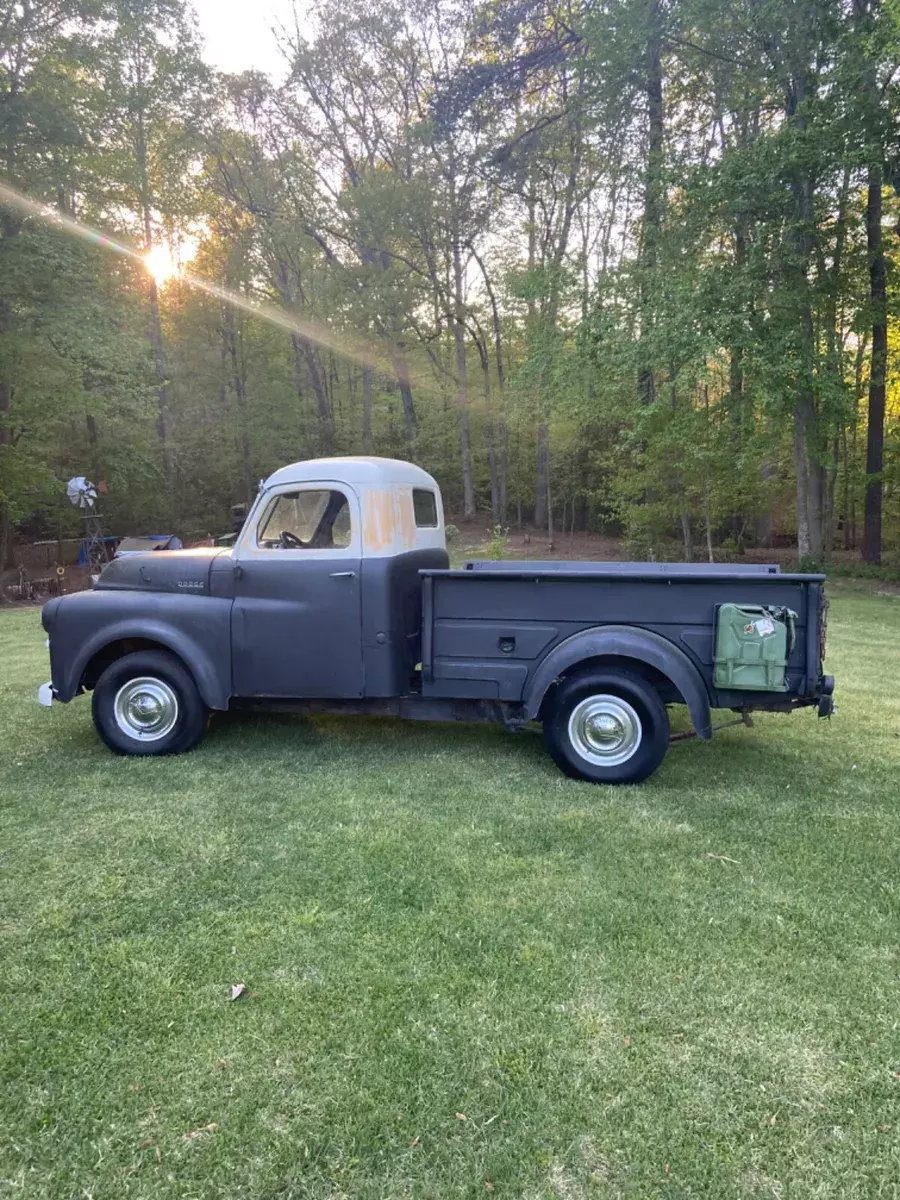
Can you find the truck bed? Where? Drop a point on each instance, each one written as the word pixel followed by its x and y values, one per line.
pixel 487 627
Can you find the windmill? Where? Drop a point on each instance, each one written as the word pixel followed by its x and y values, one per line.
pixel 83 495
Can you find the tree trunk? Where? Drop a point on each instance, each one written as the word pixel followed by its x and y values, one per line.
pixel 164 415
pixel 542 499
pixel 829 486
pixel 550 544
pixel 686 531
pixel 877 370
pixel 240 395
pixel 305 353
pixel 317 379
pixel 653 201
pixel 502 442
pixel 851 450
pixel 491 432
pixel 401 372
pixel 367 410
pixel 845 488
pixel 502 468
pixel 807 459
pixel 462 383
pixel 299 382
pixel 763 526
pixel 810 482
pixel 6 395
pixel 4 547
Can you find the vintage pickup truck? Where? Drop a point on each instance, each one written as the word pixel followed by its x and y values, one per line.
pixel 338 597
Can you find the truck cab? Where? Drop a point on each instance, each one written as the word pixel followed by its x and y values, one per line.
pixel 338 596
pixel 325 579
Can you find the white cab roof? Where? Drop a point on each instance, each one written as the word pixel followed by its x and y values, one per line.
pixel 357 470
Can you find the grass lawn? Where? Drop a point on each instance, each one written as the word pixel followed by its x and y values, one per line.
pixel 467 975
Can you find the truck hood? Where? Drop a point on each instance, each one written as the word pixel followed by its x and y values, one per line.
pixel 184 571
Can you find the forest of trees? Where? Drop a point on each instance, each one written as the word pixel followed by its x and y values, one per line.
pixel 615 265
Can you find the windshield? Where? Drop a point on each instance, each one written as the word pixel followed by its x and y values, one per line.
pixel 314 519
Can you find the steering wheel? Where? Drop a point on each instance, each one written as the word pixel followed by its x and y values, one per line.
pixel 290 541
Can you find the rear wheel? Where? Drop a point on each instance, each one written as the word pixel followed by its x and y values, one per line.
pixel 606 727
pixel 148 703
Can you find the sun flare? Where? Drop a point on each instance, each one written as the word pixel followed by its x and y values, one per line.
pixel 161 263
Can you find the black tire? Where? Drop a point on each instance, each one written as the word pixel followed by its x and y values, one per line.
pixel 166 695
pixel 627 725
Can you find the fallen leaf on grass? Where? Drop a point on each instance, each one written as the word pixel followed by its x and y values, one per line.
pixel 724 858
pixel 147 1142
pixel 488 1185
pixel 198 1133
pixel 461 1117
pixel 238 990
pixel 415 1141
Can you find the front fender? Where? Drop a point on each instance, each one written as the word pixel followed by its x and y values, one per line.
pixel 196 628
pixel 622 641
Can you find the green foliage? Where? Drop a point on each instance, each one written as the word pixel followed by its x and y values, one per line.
pixel 495 547
pixel 73 348
pixel 486 243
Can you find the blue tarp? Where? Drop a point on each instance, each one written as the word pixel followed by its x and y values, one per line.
pixel 83 552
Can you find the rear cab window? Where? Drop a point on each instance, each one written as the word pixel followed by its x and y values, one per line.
pixel 425 508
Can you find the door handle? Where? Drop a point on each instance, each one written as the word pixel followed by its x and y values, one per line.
pixel 343 574
pixel 238 571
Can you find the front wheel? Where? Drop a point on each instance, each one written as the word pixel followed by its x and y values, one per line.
pixel 148 703
pixel 606 727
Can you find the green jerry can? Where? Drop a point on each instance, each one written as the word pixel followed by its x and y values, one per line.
pixel 753 644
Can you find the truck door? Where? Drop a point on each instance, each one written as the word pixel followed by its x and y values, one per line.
pixel 296 619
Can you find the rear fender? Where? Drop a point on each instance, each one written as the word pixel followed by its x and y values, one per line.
pixel 622 641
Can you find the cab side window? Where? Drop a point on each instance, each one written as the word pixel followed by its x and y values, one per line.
pixel 311 519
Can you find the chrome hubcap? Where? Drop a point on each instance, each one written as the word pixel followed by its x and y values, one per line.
pixel 605 730
pixel 146 709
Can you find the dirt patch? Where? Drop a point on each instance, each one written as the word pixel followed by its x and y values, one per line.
pixel 529 544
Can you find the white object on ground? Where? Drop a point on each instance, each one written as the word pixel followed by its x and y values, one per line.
pixel 45 695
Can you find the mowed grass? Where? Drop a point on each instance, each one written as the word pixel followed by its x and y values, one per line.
pixel 467 975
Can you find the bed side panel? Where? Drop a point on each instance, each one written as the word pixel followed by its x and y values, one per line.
pixel 489 633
